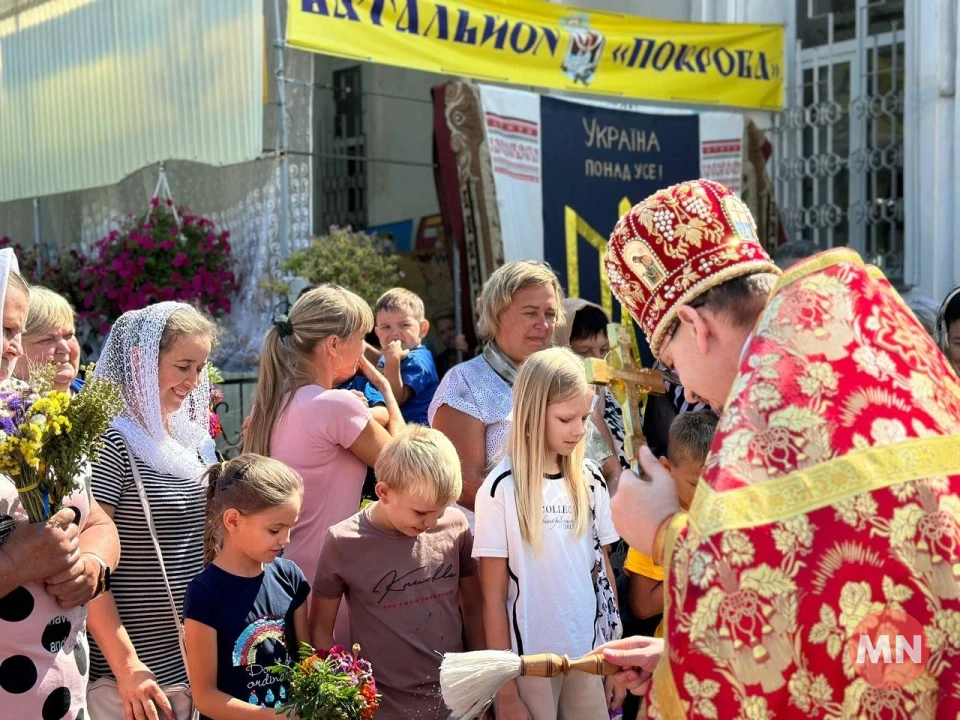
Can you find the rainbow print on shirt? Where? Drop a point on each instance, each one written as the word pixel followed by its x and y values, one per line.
pixel 255 634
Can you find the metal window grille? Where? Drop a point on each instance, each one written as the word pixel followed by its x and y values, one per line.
pixel 839 144
pixel 343 181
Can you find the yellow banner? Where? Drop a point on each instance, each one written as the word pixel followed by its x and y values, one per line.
pixel 534 42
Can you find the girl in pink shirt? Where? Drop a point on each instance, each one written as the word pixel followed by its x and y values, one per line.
pixel 326 435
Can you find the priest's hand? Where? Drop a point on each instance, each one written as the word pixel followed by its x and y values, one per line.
pixel 641 506
pixel 637 656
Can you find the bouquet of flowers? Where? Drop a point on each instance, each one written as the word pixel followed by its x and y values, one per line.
pixel 47 436
pixel 330 686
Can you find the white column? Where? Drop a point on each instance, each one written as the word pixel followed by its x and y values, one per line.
pixel 772 12
pixel 932 202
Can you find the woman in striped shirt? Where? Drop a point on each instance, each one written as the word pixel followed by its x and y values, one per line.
pixel 160 442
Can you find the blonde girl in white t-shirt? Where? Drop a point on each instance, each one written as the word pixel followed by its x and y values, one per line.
pixel 536 540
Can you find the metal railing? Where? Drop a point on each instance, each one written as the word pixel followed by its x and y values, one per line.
pixel 238 393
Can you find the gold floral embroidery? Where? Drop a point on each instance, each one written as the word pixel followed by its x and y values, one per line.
pixel 904 491
pixel 860 401
pixel 737 548
pixel 702 694
pixel 765 366
pixel 855 604
pixel 948 623
pixel 755 708
pixel 886 431
pixel 895 594
pixel 676 224
pixel 766 396
pixel 864 702
pixel 827 632
pixel 847 552
pixel 793 535
pixel 876 363
pixel 818 379
pixel 808 691
pixel 856 511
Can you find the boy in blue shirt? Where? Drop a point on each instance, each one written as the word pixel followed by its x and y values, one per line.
pixel 408 366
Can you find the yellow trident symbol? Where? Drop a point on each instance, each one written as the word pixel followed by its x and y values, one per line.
pixel 628 382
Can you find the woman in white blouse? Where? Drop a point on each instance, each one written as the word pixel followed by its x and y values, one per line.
pixel 519 306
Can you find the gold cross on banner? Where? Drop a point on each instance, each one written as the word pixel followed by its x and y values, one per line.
pixel 629 383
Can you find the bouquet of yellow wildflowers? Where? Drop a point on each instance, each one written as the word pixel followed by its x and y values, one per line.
pixel 47 436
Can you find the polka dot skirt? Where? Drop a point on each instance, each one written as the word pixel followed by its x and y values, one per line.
pixel 44 655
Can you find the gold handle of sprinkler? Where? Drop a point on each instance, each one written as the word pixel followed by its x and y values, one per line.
pixel 548 665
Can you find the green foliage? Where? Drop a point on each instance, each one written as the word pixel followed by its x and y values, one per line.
pixel 349 258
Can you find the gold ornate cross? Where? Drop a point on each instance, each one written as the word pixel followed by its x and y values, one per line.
pixel 629 383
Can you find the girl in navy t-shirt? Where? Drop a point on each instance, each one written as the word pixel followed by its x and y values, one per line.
pixel 247 610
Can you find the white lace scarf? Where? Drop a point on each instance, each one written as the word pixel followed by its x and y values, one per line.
pixel 181 448
pixel 8 264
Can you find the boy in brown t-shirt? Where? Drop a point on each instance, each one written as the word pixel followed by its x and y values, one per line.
pixel 404 566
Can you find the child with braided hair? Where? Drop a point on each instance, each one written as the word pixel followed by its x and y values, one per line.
pixel 247 610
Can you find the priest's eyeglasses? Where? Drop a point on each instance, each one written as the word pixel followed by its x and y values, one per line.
pixel 669 373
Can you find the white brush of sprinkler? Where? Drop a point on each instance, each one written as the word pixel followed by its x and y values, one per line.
pixel 470 681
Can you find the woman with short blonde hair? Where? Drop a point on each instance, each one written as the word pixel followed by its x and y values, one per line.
pixel 518 308
pixel 50 337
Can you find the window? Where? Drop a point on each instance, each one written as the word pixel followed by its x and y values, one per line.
pixel 839 143
pixel 343 179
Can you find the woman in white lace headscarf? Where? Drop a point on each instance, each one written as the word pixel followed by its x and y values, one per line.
pixel 15 298
pixel 158 356
pixel 48 573
pixel 519 306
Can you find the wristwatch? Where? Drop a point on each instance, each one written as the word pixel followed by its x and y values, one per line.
pixel 7 526
pixel 103 579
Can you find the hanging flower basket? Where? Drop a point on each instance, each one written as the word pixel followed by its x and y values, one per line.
pixel 152 259
pixel 62 270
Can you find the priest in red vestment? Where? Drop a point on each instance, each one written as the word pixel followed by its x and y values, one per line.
pixel 831 496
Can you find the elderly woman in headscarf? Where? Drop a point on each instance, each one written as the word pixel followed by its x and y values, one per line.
pixel 49 572
pixel 148 479
pixel 948 327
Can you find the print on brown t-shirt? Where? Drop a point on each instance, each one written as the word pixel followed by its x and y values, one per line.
pixel 404 601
